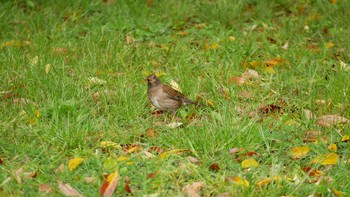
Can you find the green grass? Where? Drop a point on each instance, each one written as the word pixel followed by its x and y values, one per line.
pixel 83 39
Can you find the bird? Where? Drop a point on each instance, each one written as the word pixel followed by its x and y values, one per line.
pixel 164 97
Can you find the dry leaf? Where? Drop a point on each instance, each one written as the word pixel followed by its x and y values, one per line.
pixel 109 185
pixel 67 190
pixel 237 80
pixel 90 179
pixel 235 150
pixel 239 181
pixel 345 138
pixel 174 125
pixel 193 189
pixel 327 159
pixel 194 160
pixel 214 167
pixel 109 144
pixel 309 115
pixel 338 193
pixel 45 188
pixel 248 163
pixel 329 120
pixel 333 147
pixel 285 46
pixel 127 186
pixel 175 85
pixel 47 68
pixel 60 168
pixel 311 135
pixel 299 152
pixel 96 81
pixel 74 163
pixel 249 74
pixel 268 180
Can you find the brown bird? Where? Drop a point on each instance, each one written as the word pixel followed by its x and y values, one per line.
pixel 164 97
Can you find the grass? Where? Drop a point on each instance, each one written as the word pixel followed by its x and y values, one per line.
pixel 201 45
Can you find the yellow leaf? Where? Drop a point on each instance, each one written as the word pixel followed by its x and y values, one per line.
pixel 270 70
pixel 134 149
pixel 214 46
pixel 292 122
pixel 176 151
pixel 247 163
pixel 163 155
pixel 210 102
pixel 264 182
pixel 300 151
pixel 327 159
pixel 47 68
pixel 37 113
pixel 329 45
pixel 122 158
pixel 333 1
pixel 332 147
pixel 111 144
pixel 256 64
pixel 239 181
pixel 109 185
pixel 345 138
pixel 338 193
pixel 268 180
pixel 73 163
pixel 232 38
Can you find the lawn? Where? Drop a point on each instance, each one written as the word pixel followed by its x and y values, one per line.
pixel 271 80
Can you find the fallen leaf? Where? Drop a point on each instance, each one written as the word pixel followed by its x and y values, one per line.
pixel 214 46
pixel 122 158
pixel 232 38
pixel 174 125
pixel 90 179
pixel 214 167
pixel 327 159
pixel 109 185
pixel 311 135
pixel 235 150
pixel 47 68
pixel 67 190
pixel 237 80
pixel 175 85
pixel 60 168
pixel 240 181
pixel 268 180
pixel 329 120
pixel 250 74
pixel 210 103
pixel 285 46
pixel 248 163
pixel 329 45
pixel 127 186
pixel 338 193
pixel 151 133
pixel 109 144
pixel 45 188
pixel 194 160
pixel 299 152
pixel 193 189
pixel 309 115
pixel 74 163
pixel 345 138
pixel 269 69
pixel 314 172
pixel 332 147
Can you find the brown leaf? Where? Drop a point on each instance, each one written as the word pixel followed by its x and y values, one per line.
pixel 311 135
pixel 155 149
pixel 329 120
pixel 45 188
pixel 127 186
pixel 194 160
pixel 109 185
pixel 67 190
pixel 271 40
pixel 151 133
pixel 235 150
pixel 193 189
pixel 90 179
pixel 237 80
pixel 250 74
pixel 269 109
pixel 309 115
pixel 214 167
pixel 152 174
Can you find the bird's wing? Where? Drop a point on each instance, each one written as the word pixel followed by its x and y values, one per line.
pixel 176 95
